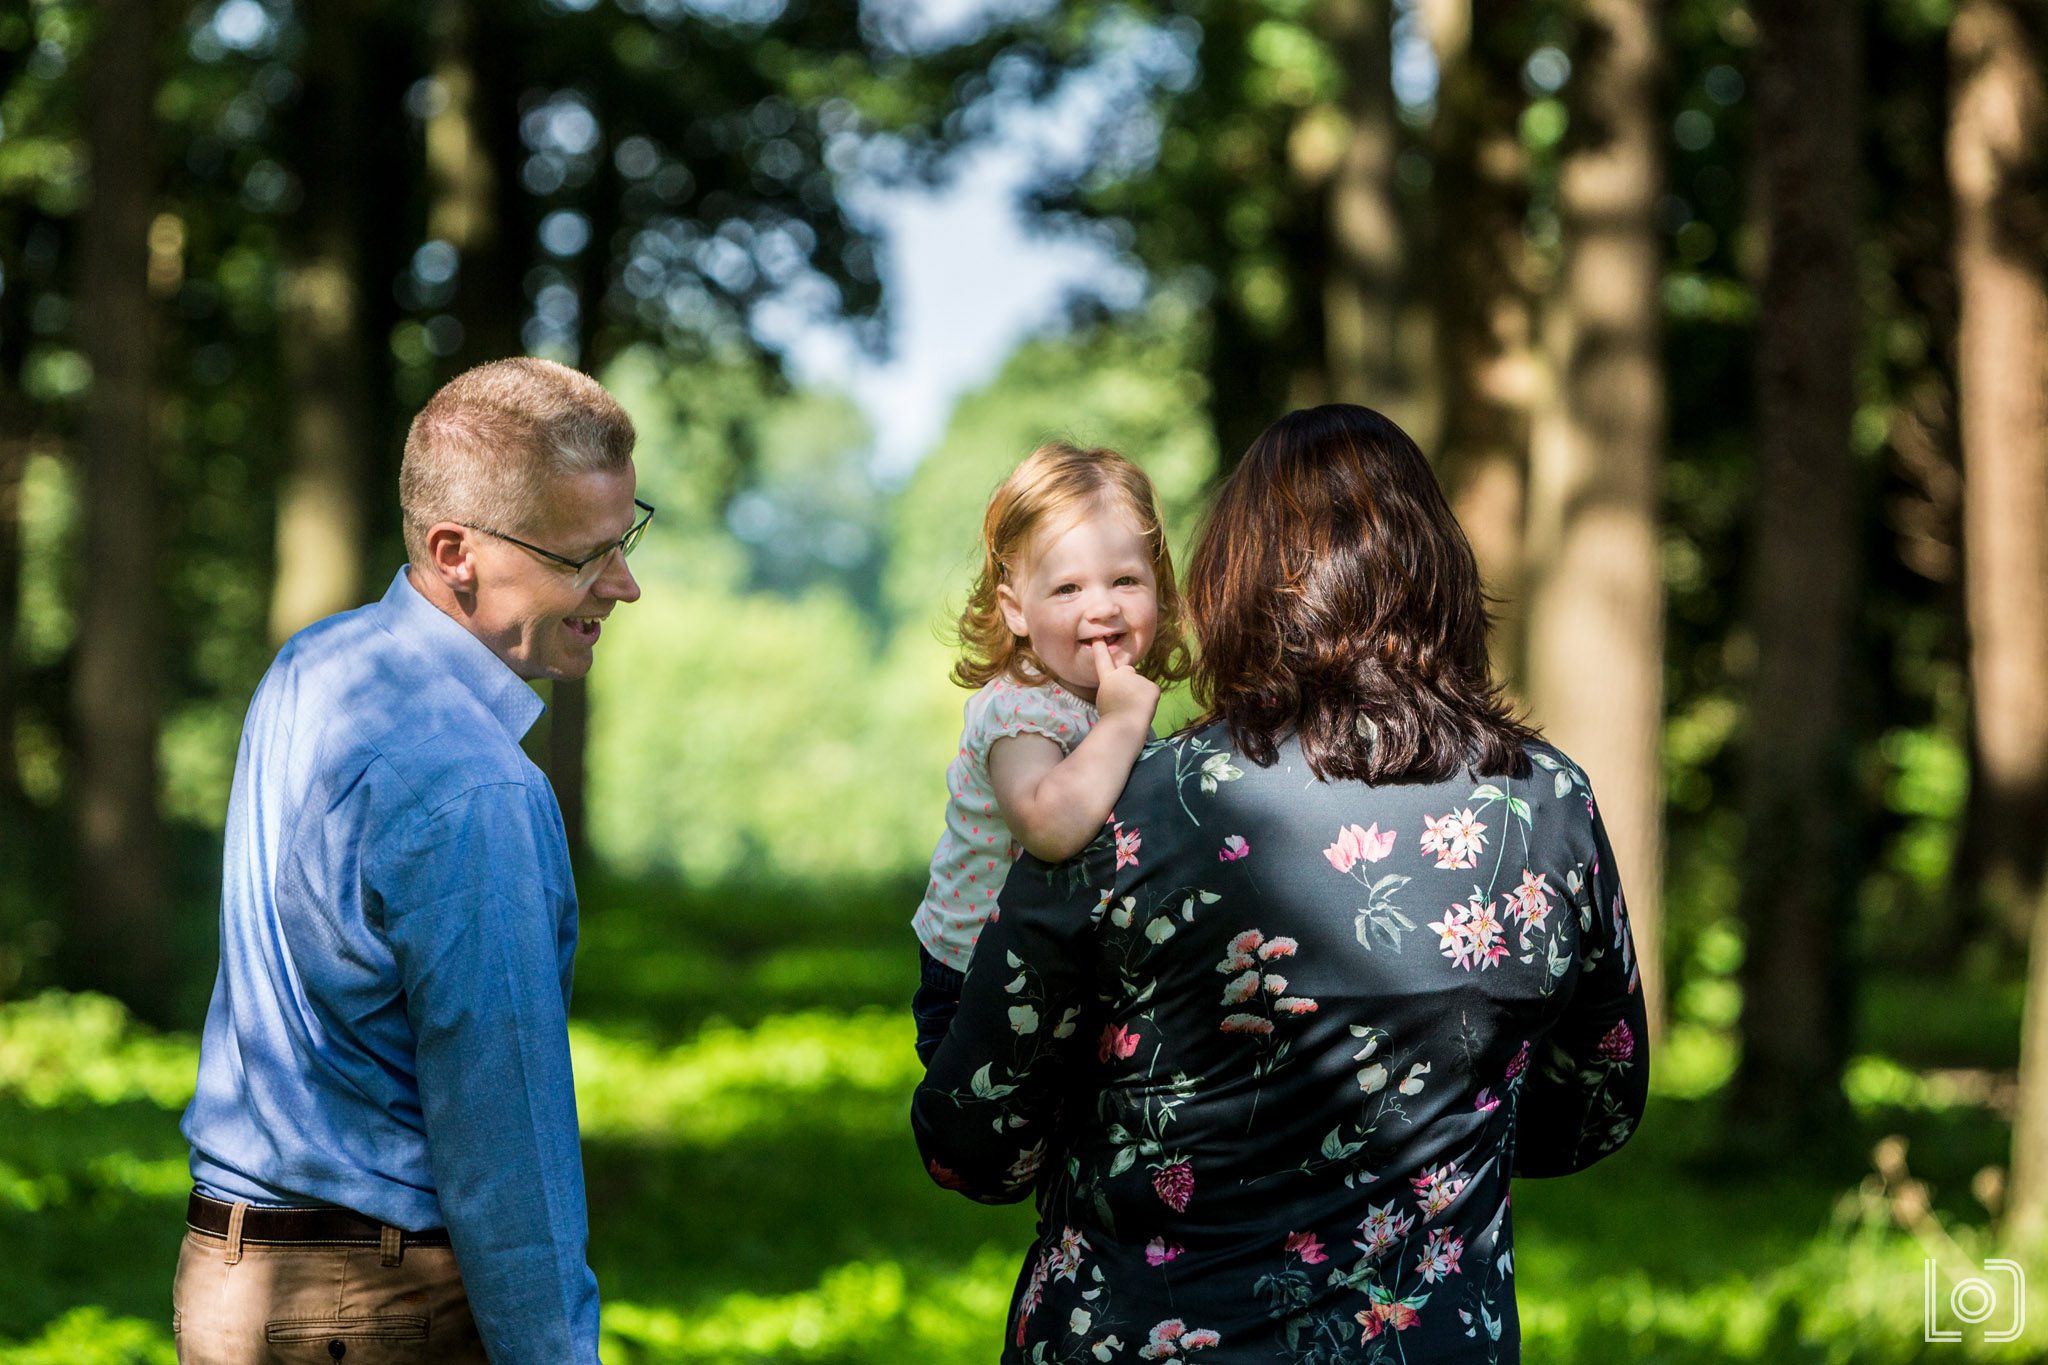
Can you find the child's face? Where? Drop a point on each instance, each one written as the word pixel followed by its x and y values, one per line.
pixel 1081 581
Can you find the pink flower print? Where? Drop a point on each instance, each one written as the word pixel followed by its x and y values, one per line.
pixel 1241 988
pixel 1619 1045
pixel 1278 947
pixel 1295 1004
pixel 1034 1288
pixel 1489 936
pixel 1066 1262
pixel 1486 1103
pixel 1454 838
pixel 1127 842
pixel 1305 1245
pixel 1471 935
pixel 1237 962
pixel 1398 1314
pixel 1247 1023
pixel 1382 1228
pixel 1343 854
pixel 1175 1185
pixel 1530 902
pixel 1159 1251
pixel 1246 942
pixel 1455 936
pixel 1520 1060
pixel 943 1177
pixel 1438 1188
pixel 1117 1041
pixel 1234 848
pixel 1440 1254
pixel 1354 844
pixel 1172 1337
pixel 1275 984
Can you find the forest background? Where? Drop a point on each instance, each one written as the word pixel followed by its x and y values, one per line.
pixel 1726 326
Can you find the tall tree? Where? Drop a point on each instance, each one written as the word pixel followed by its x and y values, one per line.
pixel 1596 605
pixel 321 520
pixel 1799 816
pixel 119 941
pixel 1998 171
pixel 1362 284
pixel 1998 168
pixel 1484 317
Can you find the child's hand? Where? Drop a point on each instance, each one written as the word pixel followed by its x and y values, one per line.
pixel 1121 690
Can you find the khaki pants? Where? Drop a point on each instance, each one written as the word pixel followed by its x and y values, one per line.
pixel 241 1303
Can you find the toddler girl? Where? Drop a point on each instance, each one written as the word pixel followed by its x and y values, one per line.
pixel 1072 623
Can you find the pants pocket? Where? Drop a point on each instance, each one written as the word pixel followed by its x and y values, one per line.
pixel 356 1341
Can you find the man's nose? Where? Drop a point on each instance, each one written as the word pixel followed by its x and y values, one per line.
pixel 617 581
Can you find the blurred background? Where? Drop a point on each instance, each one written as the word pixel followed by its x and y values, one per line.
pixel 1724 322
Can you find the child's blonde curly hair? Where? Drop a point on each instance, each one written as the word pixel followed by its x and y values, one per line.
pixel 1058 479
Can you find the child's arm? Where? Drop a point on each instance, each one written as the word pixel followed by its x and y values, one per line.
pixel 1056 802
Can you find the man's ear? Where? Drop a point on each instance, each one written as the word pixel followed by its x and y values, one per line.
pixel 450 555
pixel 1012 609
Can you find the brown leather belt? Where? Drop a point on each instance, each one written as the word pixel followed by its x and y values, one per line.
pixel 329 1225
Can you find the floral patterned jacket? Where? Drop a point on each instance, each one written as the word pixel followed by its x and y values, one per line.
pixel 1268 1052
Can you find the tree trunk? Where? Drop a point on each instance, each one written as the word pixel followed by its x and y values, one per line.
pixel 1998 169
pixel 1484 322
pixel 1797 796
pixel 1362 284
pixel 1997 161
pixel 321 520
pixel 1596 602
pixel 477 205
pixel 117 940
pixel 17 427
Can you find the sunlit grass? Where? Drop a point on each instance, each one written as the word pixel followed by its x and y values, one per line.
pixel 755 1198
pixel 786 1075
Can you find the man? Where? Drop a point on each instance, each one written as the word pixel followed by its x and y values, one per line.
pixel 384 1142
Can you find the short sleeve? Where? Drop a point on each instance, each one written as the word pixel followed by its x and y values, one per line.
pixel 1011 711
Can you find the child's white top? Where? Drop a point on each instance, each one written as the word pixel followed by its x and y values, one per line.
pixel 974 854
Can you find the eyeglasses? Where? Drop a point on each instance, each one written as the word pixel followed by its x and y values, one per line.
pixel 591 565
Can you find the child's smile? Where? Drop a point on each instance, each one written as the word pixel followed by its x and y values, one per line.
pixel 1089 580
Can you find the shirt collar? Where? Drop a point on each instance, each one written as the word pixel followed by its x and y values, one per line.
pixel 418 622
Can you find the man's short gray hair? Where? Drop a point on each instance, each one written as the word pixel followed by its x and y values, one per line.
pixel 487 446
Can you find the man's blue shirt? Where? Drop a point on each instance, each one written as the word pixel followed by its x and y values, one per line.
pixel 388 1029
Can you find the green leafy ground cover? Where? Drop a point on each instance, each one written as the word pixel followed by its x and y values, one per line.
pixel 743 1067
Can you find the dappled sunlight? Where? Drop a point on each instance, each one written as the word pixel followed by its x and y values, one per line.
pixel 864 1311
pixel 729 1081
pixel 91 1336
pixel 64 1049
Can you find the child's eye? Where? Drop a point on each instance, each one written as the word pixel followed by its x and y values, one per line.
pixel 1127 581
pixel 1065 589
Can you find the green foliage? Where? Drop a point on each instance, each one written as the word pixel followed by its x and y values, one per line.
pixel 781 736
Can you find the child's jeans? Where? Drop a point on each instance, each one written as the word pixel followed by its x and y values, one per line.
pixel 935 1003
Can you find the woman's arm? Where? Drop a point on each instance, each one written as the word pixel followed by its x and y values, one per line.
pixel 987 1110
pixel 1589 1081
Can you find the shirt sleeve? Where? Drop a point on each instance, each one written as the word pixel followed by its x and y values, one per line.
pixel 1013 711
pixel 987 1110
pixel 1589 1081
pixel 474 928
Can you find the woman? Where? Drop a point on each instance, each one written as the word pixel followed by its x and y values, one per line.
pixel 1351 952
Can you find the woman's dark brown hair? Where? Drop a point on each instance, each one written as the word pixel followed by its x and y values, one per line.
pixel 1335 598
